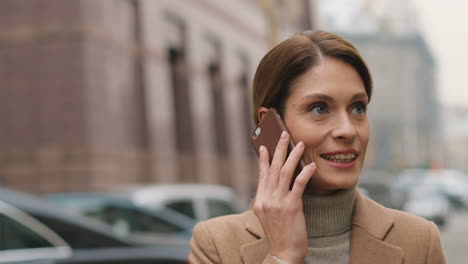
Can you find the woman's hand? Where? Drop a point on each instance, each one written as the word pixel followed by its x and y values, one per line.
pixel 279 209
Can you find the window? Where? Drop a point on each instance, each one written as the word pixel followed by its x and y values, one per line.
pixel 219 207
pixel 183 206
pixel 182 105
pixel 214 69
pixel 14 235
pixel 80 236
pixel 243 85
pixel 217 85
pixel 134 219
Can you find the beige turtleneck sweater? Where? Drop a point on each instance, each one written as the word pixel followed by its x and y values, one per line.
pixel 328 221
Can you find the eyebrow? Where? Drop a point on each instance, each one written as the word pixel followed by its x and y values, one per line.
pixel 359 96
pixel 323 97
pixel 328 98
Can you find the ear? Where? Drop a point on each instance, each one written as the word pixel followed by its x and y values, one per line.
pixel 261 113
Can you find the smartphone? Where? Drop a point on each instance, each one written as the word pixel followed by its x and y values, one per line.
pixel 268 132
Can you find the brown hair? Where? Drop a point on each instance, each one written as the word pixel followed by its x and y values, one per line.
pixel 282 65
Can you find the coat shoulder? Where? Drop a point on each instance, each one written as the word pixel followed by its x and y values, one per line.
pixel 232 221
pixel 220 239
pixel 398 217
pixel 226 228
pixel 403 222
pixel 407 218
pixel 418 237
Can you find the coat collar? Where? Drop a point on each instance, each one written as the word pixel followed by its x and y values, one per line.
pixel 256 250
pixel 371 224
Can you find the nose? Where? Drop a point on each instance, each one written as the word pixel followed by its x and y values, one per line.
pixel 344 129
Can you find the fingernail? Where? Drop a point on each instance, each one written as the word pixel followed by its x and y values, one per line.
pixel 283 135
pixel 300 144
pixel 312 164
pixel 262 148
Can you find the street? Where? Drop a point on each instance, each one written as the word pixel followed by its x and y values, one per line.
pixel 455 238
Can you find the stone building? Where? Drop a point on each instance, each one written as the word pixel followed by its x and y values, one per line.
pixel 100 94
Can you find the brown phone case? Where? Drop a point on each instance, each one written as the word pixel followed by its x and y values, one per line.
pixel 268 132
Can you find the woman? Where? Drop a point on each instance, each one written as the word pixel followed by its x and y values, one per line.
pixel 320 86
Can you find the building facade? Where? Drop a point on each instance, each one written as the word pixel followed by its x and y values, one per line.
pixel 102 94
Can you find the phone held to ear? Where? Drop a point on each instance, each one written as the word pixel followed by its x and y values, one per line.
pixel 268 133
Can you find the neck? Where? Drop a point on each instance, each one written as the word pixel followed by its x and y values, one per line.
pixel 330 214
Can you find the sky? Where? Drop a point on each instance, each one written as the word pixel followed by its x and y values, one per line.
pixel 445 26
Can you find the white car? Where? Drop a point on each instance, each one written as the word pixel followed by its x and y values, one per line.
pixel 426 201
pixel 198 201
pixel 451 183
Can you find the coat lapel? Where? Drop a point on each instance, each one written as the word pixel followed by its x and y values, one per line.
pixel 371 224
pixel 256 250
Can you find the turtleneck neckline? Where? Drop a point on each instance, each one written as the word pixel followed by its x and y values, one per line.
pixel 328 215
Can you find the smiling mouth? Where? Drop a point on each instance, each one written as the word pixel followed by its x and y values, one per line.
pixel 340 158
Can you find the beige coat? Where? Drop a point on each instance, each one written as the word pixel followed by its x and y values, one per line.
pixel 378 236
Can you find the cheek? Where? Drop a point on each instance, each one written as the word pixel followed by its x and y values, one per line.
pixel 312 136
pixel 363 137
pixel 363 134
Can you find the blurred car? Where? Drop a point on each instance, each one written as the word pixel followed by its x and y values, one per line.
pixel 126 218
pixel 197 201
pixel 451 183
pixel 34 231
pixel 429 203
pixel 22 238
pixel 404 182
pixel 377 191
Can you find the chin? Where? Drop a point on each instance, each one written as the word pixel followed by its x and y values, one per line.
pixel 327 182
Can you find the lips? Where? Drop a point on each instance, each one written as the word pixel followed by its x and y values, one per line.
pixel 341 156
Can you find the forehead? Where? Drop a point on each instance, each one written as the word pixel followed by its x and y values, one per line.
pixel 332 77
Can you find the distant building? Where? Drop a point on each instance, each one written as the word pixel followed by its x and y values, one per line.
pixel 404 112
pixel 100 94
pixel 395 17
pixel 455 134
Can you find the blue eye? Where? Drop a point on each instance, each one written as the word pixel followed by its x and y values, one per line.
pixel 359 108
pixel 319 109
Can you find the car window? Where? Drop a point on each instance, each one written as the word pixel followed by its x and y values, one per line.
pixel 219 207
pixel 182 206
pixel 79 237
pixel 133 219
pixel 14 235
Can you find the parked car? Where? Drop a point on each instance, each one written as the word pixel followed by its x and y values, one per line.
pixel 126 218
pixel 451 183
pixel 23 238
pixel 429 203
pixel 34 231
pixel 405 181
pixel 197 201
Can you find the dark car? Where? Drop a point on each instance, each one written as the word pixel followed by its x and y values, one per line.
pixel 34 231
pixel 127 218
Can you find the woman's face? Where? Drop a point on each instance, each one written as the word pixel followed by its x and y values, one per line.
pixel 326 109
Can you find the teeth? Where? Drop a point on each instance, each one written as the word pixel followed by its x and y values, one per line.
pixel 340 157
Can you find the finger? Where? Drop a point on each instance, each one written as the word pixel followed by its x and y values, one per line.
pixel 278 159
pixel 302 179
pixel 264 166
pixel 290 166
